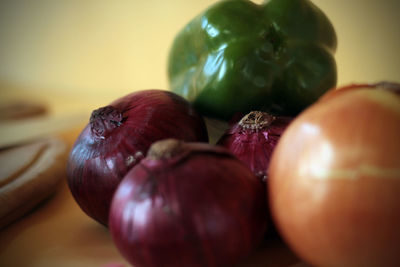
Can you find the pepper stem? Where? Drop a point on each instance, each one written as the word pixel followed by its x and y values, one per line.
pixel 256 120
pixel 165 149
pixel 104 120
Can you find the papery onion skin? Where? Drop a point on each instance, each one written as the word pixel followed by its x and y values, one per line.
pixel 200 206
pixel 334 182
pixel 254 138
pixel 118 137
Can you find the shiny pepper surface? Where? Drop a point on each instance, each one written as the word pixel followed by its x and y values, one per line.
pixel 238 56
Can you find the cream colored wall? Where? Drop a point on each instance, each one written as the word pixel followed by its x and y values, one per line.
pixel 108 48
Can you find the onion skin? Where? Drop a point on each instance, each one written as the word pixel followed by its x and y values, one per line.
pixel 199 206
pixel 253 139
pixel 334 184
pixel 118 137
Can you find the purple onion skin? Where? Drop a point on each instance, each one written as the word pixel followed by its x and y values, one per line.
pixel 201 207
pixel 254 142
pixel 118 137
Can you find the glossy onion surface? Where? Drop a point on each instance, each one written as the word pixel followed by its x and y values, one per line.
pixel 254 138
pixel 334 179
pixel 195 205
pixel 118 137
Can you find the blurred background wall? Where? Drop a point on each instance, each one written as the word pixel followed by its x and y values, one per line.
pixel 98 50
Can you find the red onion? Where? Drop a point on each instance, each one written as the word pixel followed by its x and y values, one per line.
pixel 254 138
pixel 118 137
pixel 188 204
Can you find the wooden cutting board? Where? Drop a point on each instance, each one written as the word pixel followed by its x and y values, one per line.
pixel 29 173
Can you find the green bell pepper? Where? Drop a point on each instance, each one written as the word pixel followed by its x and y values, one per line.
pixel 239 56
